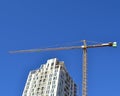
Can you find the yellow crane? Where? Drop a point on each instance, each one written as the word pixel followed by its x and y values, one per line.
pixel 84 66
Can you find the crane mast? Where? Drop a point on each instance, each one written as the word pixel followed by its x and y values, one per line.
pixel 84 73
pixel 84 66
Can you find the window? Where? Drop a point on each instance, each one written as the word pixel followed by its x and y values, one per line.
pixel 54 78
pixel 52 91
pixel 40 80
pixel 56 70
pixel 53 86
pixel 52 64
pixel 57 62
pixel 56 66
pixel 50 75
pixel 43 80
pixel 55 74
pixel 37 78
pixel 52 95
pixel 45 76
pixel 42 88
pixel 53 82
pixel 49 83
pixel 50 79
pixel 38 89
pixel 48 87
pixel 47 91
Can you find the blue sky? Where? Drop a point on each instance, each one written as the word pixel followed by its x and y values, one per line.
pixel 27 24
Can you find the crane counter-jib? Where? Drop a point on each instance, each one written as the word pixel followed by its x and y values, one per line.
pixel 111 44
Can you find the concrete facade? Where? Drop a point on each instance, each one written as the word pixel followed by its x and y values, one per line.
pixel 51 79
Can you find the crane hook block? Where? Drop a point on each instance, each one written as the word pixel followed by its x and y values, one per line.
pixel 114 44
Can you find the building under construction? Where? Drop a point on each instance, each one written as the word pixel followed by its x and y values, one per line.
pixel 51 79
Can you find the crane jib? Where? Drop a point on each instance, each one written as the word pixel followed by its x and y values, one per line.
pixel 113 44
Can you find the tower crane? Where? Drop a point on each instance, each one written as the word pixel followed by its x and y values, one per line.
pixel 84 66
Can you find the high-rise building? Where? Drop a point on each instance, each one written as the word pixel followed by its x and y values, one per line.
pixel 51 79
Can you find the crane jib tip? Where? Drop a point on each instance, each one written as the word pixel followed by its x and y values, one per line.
pixel 114 44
